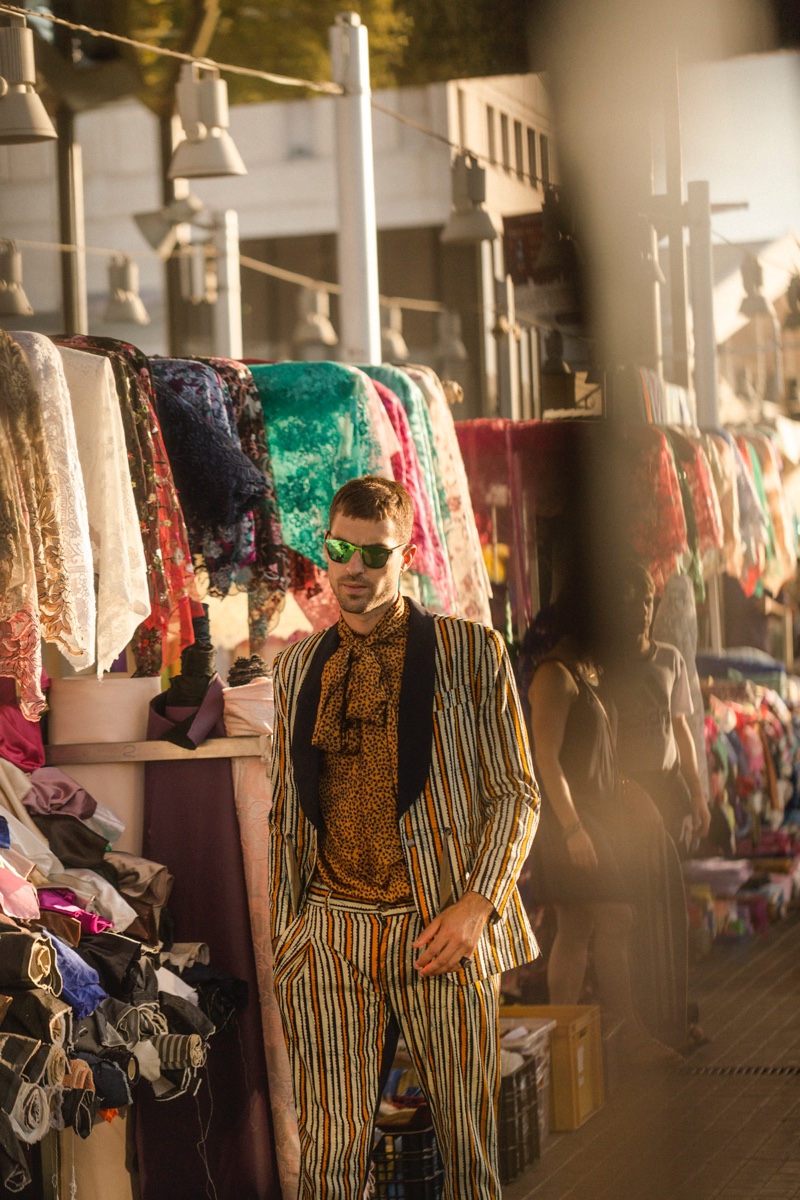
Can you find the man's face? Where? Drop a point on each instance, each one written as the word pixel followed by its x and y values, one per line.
pixel 638 609
pixel 360 589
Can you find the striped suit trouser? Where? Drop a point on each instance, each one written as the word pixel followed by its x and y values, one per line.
pixel 344 975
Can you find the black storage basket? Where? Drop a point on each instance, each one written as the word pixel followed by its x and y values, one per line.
pixel 518 1122
pixel 407 1166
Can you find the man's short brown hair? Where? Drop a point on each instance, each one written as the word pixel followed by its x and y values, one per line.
pixel 374 499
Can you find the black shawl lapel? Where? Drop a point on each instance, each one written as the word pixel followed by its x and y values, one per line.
pixel 305 755
pixel 415 724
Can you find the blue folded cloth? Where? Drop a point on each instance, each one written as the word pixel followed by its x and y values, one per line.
pixel 81 988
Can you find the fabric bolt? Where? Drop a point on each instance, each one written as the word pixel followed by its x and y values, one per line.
pixel 13 1165
pixel 185 954
pixel 430 561
pixel 116 960
pixel 123 594
pixel 190 823
pixel 63 901
pixel 53 791
pixel 313 457
pixel 10 1083
pixel 148 1060
pixel 20 620
pixel 180 1050
pixel 362 961
pixel 21 1054
pixel 25 867
pixel 81 988
pixel 31 844
pixel 170 981
pixel 79 1075
pixel 161 637
pixel 217 484
pixel 249 710
pixel 56 1067
pixel 112 1089
pixel 30 1116
pixel 221 997
pixel 104 898
pixel 127 1062
pixel 71 839
pixel 22 424
pixel 68 929
pixel 47 373
pixel 470 577
pixel 106 823
pixel 27 960
pixel 78 1109
pixel 20 739
pixel 141 878
pixel 361 853
pixel 17 896
pixel 266 579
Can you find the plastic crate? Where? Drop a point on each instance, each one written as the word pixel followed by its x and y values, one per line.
pixel 518 1122
pixel 576 1075
pixel 538 1047
pixel 407 1166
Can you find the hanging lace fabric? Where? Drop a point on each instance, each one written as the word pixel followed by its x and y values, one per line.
pixel 384 431
pixel 753 525
pixel 701 505
pixel 470 577
pixel 266 578
pixel 781 566
pixel 413 401
pixel 123 595
pixel 320 434
pixel 217 484
pixel 723 469
pixel 429 564
pixel 159 640
pixel 58 428
pixel 21 425
pixel 655 517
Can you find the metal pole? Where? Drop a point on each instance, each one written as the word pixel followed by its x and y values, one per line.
pixel 507 350
pixel 72 227
pixel 360 335
pixel 228 307
pixel 679 368
pixel 702 275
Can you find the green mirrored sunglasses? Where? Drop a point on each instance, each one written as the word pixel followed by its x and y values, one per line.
pixel 340 551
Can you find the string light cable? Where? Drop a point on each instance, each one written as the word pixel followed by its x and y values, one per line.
pixel 324 88
pixel 254 264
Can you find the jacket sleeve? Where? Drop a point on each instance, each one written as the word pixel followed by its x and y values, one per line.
pixel 509 795
pixel 282 870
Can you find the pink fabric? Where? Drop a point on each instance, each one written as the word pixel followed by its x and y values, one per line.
pixel 430 559
pixel 20 739
pixel 17 896
pixel 249 712
pixel 61 900
pixel 54 792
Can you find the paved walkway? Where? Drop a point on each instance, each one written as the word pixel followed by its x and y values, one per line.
pixel 727 1126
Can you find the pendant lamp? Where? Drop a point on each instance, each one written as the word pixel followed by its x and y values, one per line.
pixel 125 305
pixel 755 303
pixel 209 150
pixel 393 344
pixel 469 222
pixel 13 301
pixel 23 117
pixel 449 346
pixel 160 228
pixel 314 334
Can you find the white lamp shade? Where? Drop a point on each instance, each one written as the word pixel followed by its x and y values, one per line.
pixel 23 117
pixel 214 154
pixel 13 301
pixel 125 305
pixel 314 331
pixel 469 222
pixel 209 150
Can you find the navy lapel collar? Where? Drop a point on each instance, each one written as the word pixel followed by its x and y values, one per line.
pixel 415 724
pixel 305 755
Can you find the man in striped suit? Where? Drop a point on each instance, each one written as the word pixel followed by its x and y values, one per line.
pixel 403 809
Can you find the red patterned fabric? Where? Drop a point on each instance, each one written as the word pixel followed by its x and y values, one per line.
pixel 655 514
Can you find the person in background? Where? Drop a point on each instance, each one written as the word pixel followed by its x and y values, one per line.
pixel 597 857
pixel 647 682
pixel 404 807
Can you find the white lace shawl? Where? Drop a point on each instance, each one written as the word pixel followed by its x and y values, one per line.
pixel 123 599
pixel 59 431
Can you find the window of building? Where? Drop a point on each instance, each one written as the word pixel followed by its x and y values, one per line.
pixel 519 161
pixel 491 144
pixel 532 158
pixel 544 155
pixel 505 144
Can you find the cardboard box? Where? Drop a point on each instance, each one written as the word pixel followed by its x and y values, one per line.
pixel 576 1060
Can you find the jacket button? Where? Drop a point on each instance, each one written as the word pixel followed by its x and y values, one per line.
pixel 411 843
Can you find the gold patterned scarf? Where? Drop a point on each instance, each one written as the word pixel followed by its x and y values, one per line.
pixel 354 690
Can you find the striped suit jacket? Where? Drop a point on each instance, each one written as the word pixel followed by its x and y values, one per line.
pixel 467 803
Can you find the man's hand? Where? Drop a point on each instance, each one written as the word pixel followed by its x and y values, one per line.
pixel 701 817
pixel 453 935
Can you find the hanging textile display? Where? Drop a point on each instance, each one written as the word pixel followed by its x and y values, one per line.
pixel 313 457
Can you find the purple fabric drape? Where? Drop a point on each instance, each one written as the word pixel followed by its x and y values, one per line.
pixel 190 824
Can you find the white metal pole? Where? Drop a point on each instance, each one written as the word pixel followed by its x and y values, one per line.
pixel 360 318
pixel 228 306
pixel 702 274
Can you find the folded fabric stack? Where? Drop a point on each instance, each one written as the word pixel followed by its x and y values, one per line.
pixel 91 1000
